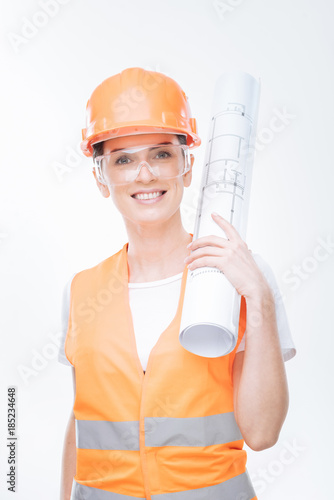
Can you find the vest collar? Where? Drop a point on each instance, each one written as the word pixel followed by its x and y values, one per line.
pixel 175 323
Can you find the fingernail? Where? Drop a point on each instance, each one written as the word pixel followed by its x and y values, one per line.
pixel 215 213
pixel 189 244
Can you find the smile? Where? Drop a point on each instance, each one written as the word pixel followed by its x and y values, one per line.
pixel 149 197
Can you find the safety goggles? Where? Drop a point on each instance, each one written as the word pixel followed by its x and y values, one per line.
pixel 165 161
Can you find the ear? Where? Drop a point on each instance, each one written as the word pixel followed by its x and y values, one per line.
pixel 102 187
pixel 188 176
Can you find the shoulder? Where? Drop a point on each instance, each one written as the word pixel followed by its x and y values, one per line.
pixel 261 262
pixel 97 269
pixel 266 269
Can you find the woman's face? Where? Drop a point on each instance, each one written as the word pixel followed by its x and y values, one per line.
pixel 161 208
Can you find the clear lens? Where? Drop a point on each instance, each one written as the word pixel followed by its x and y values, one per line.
pixel 163 160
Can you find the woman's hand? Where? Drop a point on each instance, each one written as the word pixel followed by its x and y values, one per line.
pixel 231 256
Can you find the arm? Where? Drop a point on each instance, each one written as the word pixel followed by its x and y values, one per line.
pixel 69 455
pixel 261 397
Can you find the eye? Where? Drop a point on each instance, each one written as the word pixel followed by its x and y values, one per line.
pixel 120 161
pixel 164 154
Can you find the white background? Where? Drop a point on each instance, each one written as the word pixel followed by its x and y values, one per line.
pixel 54 221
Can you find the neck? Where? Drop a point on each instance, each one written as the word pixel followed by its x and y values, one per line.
pixel 156 251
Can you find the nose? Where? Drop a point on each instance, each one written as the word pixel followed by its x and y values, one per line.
pixel 144 173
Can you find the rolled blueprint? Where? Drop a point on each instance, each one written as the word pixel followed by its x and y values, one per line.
pixel 211 307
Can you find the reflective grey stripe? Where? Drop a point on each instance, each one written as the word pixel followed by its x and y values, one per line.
pixel 81 492
pixel 159 431
pixel 106 435
pixel 236 488
pixel 196 431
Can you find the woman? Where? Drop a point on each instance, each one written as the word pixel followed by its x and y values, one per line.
pixel 162 422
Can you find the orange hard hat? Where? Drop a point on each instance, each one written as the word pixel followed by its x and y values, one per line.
pixel 137 101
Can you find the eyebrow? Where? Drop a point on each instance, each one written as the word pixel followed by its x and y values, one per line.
pixel 150 149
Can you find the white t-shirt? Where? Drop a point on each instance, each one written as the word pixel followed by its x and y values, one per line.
pixel 153 306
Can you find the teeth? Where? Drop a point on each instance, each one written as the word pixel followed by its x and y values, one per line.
pixel 147 196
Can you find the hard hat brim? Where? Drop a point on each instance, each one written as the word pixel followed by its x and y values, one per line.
pixel 193 140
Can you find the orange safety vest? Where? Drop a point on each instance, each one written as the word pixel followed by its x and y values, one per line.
pixel 167 434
